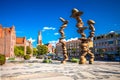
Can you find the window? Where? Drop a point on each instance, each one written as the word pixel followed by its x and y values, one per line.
pixel 110 42
pixel 118 41
pixel 95 45
pixel 102 43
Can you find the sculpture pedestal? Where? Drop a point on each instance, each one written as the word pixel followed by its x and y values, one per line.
pixel 82 60
pixel 91 61
pixel 63 62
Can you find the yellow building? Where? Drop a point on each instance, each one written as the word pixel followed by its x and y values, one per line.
pixel 73 48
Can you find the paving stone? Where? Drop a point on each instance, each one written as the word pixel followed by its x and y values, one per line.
pixel 30 71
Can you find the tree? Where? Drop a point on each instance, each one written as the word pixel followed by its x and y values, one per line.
pixel 19 51
pixel 74 51
pixel 35 51
pixel 2 59
pixel 28 51
pixel 42 49
pixel 101 52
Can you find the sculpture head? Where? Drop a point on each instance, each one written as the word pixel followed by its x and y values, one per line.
pixel 63 20
pixel 91 22
pixel 76 12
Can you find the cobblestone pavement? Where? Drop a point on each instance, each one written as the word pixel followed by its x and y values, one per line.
pixel 70 71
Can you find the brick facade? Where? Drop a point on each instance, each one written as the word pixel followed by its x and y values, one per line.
pixel 21 41
pixel 50 48
pixel 7 41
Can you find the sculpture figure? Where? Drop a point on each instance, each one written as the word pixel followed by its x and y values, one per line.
pixel 65 22
pixel 84 41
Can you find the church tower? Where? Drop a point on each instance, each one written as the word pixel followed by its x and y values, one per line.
pixel 39 38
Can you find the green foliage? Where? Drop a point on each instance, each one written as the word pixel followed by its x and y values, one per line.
pixel 28 51
pixel 49 57
pixel 19 51
pixel 11 58
pixel 101 52
pixel 42 49
pixel 27 57
pixel 35 51
pixel 74 60
pixel 39 57
pixel 47 61
pixel 73 50
pixel 2 59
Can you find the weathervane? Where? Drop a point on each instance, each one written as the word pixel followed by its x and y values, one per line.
pixel 84 41
pixel 65 22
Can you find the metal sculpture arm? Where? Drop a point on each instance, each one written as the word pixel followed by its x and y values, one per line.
pixel 65 22
pixel 91 27
pixel 76 14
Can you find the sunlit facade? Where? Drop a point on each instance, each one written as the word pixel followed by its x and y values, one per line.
pixel 107 45
pixel 73 48
pixel 7 41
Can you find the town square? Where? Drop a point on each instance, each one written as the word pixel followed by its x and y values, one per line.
pixel 59 40
pixel 34 69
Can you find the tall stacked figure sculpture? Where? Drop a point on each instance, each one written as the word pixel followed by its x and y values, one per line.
pixel 84 41
pixel 65 22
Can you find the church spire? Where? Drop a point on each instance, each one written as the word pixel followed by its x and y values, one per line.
pixel 39 38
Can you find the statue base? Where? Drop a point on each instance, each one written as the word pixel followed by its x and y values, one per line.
pixel 82 60
pixel 63 62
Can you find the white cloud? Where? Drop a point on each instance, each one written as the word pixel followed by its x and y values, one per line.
pixel 54 42
pixel 48 28
pixel 111 31
pixel 76 38
pixel 31 40
pixel 56 33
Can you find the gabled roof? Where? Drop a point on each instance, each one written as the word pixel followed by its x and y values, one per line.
pixel 20 40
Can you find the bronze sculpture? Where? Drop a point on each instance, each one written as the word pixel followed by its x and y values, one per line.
pixel 84 41
pixel 65 22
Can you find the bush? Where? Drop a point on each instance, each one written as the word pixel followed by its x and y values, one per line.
pixel 11 58
pixel 74 60
pixel 47 61
pixel 39 57
pixel 27 57
pixel 49 57
pixel 2 59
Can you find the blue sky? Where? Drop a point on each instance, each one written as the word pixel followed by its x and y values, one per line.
pixel 31 16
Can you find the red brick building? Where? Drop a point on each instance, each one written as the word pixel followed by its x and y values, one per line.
pixel 50 48
pixel 21 41
pixel 7 41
